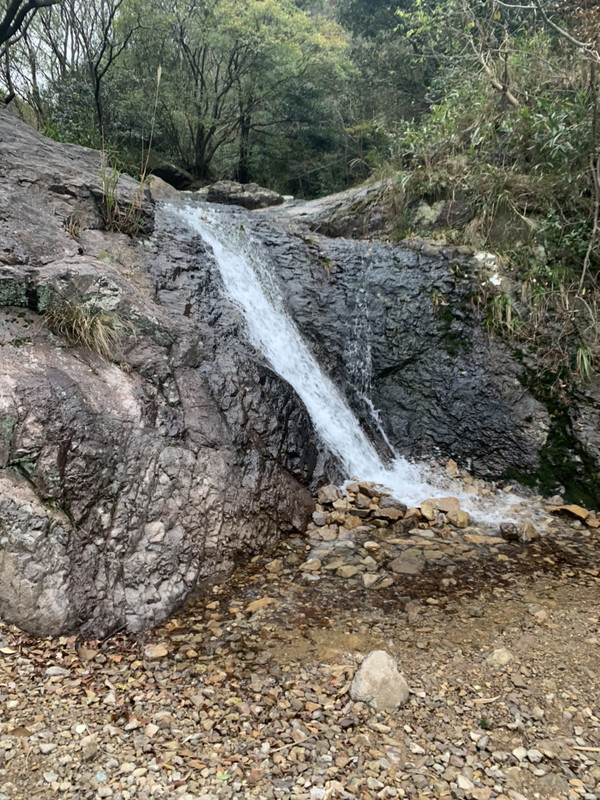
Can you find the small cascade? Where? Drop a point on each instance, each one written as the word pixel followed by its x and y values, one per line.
pixel 358 354
pixel 247 276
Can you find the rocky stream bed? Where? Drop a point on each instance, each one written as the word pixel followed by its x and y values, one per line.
pixel 245 693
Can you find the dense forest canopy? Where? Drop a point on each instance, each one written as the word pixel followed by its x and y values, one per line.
pixel 490 107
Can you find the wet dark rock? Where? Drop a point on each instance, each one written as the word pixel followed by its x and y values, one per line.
pixel 407 565
pixel 400 328
pixel 172 174
pixel 510 531
pixel 357 212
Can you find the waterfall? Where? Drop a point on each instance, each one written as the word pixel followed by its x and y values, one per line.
pixel 246 271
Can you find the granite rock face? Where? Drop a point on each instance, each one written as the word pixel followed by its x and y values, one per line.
pixel 125 483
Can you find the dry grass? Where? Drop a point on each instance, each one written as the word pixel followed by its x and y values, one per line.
pixel 81 325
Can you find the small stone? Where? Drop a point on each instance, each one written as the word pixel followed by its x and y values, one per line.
pixel 362 501
pixel 262 602
pixel 405 565
pixel 369 489
pixel 481 538
pixel 509 531
pixel 47 747
pixel 529 533
pixel 151 730
pixel 329 533
pixel 392 514
pixel 274 566
pixel 500 657
pixel 341 504
pixel 312 565
pixel 328 494
pixel 370 579
pixel 571 511
pixel 319 518
pixel 347 571
pixel 50 777
pixel 534 756
pixel 387 501
pixel 451 468
pixel 89 747
pixel 154 652
pixel 379 682
pixel 458 518
pixel 445 504
pixel 464 783
pixel 351 522
pixel 520 753
pixel 57 672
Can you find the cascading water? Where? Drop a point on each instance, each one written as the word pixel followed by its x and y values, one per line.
pixel 244 265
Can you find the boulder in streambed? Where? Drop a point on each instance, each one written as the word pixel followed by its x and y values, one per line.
pixel 247 195
pixel 379 682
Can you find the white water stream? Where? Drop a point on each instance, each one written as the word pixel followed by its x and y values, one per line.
pixel 244 265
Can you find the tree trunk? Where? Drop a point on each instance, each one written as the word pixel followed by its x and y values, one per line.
pixel 243 169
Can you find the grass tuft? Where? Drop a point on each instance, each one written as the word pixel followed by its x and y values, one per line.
pixel 81 325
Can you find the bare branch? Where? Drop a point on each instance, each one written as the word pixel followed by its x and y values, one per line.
pixel 498 85
pixel 16 14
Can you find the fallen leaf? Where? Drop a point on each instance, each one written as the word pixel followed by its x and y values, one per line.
pixel 86 653
pixel 258 604
pixel 20 731
pixel 156 651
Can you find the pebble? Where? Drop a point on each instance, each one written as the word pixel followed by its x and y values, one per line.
pixel 500 657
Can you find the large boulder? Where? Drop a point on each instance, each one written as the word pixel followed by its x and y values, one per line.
pixel 125 482
pixel 170 173
pixel 247 195
pixel 355 213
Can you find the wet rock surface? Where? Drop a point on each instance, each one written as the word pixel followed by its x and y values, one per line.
pixel 246 692
pixel 398 329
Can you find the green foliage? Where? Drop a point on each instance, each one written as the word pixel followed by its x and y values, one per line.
pixel 85 325
pixel 118 216
pixel 70 115
pixel 502 314
pixel 584 362
pixel 527 164
pixel 247 86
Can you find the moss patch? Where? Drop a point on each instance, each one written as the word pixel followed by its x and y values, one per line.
pixel 565 466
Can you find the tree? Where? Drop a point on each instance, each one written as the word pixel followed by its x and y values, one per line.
pixel 235 74
pixel 15 16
